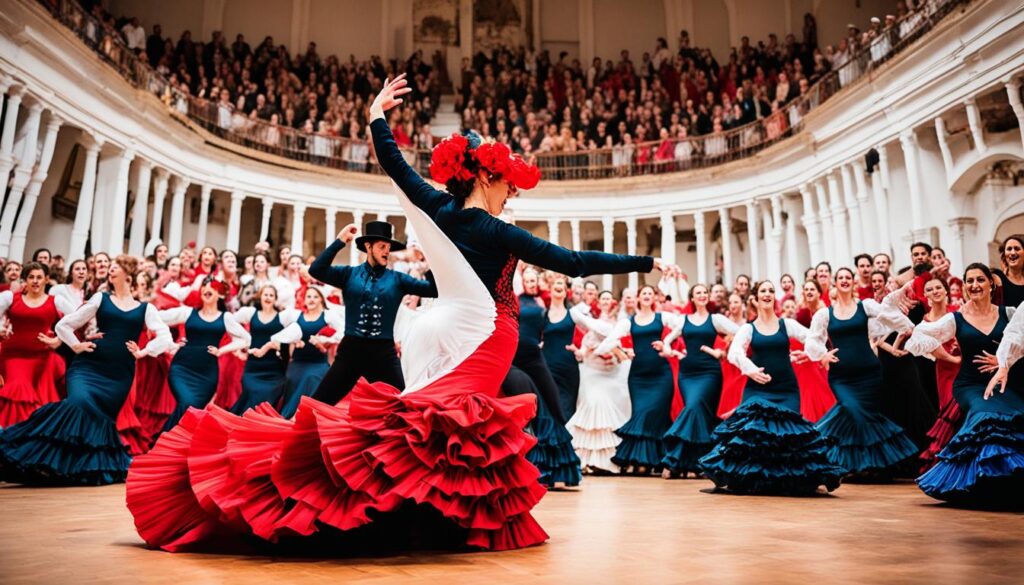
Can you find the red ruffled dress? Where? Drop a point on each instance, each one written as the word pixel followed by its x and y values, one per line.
pixel 151 393
pixel 950 416
pixel 31 371
pixel 733 382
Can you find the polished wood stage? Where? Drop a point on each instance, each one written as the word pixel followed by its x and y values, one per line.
pixel 612 530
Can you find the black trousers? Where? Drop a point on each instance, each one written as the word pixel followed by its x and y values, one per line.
pixel 373 359
pixel 530 360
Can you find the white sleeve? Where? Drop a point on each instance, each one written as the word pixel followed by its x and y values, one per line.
pixel 817 340
pixel 928 337
pixel 675 324
pixel 65 328
pixel 796 331
pixel 290 334
pixel 174 290
pixel 285 293
pixel 517 282
pixel 240 338
pixel 289 316
pixel 1011 348
pixel 244 315
pixel 611 341
pixel 336 319
pixel 64 305
pixel 738 350
pixel 175 316
pixel 6 300
pixel 580 315
pixel 888 316
pixel 723 325
pixel 162 340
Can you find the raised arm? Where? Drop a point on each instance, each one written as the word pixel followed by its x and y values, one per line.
pixel 323 269
pixel 540 252
pixel 426 288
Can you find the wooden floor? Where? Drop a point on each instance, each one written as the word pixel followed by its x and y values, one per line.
pixel 612 530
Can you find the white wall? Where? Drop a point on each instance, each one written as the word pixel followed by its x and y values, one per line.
pixel 646 20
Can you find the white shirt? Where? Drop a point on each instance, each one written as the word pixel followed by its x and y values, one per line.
pixel 135 36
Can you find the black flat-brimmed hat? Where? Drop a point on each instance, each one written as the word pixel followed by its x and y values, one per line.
pixel 379 231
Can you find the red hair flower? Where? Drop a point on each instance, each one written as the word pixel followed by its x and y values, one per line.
pixel 495 157
pixel 447 161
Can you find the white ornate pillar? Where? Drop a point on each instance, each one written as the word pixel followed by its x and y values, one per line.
pixel 574 226
pixel 963 228
pixel 702 246
pixel 608 227
pixel 828 236
pixel 842 256
pixel 755 259
pixel 1013 93
pixel 668 237
pixel 353 250
pixel 974 121
pixel 24 166
pixel 553 230
pixel 775 239
pixel 792 250
pixel 853 211
pixel 868 227
pixel 947 155
pixel 137 237
pixel 119 202
pixel 881 211
pixel 634 278
pixel 28 207
pixel 298 226
pixel 812 225
pixel 726 224
pixel 83 215
pixel 235 220
pixel 772 248
pixel 159 195
pixel 177 221
pixel 204 215
pixel 331 224
pixel 268 208
pixel 908 140
pixel 7 136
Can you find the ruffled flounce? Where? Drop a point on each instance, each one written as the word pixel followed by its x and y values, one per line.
pixel 154 402
pixel 866 444
pixel 688 439
pixel 344 467
pixel 641 444
pixel 948 423
pixel 63 444
pixel 553 454
pixel 765 449
pixel 28 383
pixel 593 434
pixel 983 465
pixel 229 383
pixel 130 428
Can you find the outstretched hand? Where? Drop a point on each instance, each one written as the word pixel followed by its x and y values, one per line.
pixel 388 96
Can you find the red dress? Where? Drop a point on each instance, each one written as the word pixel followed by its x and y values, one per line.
pixel 733 383
pixel 815 395
pixel 31 370
pixel 154 402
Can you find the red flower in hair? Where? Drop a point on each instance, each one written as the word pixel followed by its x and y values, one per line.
pixel 220 286
pixel 495 157
pixel 447 161
pixel 522 174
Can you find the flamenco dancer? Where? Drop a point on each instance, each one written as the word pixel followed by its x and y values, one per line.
pixel 372 294
pixel 559 351
pixel 263 378
pixel 983 464
pixel 766 447
pixel 382 450
pixel 867 445
pixel 700 381
pixel 75 441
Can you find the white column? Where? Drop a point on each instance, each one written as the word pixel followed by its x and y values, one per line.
pixel 869 228
pixel 947 155
pixel 268 207
pixel 204 215
pixel 298 226
pixel 881 211
pixel 668 237
pixel 353 250
pixel 755 260
pixel 553 230
pixel 235 220
pixel 137 237
pixel 908 140
pixel 974 121
pixel 1013 93
pixel 83 215
pixel 24 165
pixel 28 207
pixel 608 226
pixel 700 231
pixel 812 225
pixel 574 226
pixel 634 278
pixel 772 247
pixel 962 228
pixel 586 31
pixel 7 136
pixel 840 230
pixel 792 250
pixel 331 224
pixel 853 209
pixel 727 268
pixel 159 195
pixel 778 231
pixel 119 205
pixel 177 222
pixel 828 235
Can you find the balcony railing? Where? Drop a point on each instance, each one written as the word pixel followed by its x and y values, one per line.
pixel 664 156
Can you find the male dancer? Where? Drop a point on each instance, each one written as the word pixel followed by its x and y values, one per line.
pixel 372 296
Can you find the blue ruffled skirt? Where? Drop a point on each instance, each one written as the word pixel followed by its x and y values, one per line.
pixel 553 454
pixel 303 378
pixel 689 437
pixel 650 394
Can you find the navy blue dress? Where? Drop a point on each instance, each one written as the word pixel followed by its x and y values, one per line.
pixel 194 370
pixel 562 364
pixel 700 381
pixel 308 367
pixel 766 447
pixel 865 441
pixel 553 454
pixel 983 464
pixel 75 441
pixel 263 379
pixel 650 394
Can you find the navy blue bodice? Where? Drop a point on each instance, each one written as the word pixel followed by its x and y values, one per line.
pixel 850 337
pixel 646 357
pixel 695 336
pixel 309 352
pixel 532 316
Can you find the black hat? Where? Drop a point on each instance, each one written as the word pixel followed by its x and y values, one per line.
pixel 379 231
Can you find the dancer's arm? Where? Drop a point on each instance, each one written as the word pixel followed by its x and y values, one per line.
pixel 426 288
pixel 244 315
pixel 737 355
pixel 816 344
pixel 240 338
pixel 929 336
pixel 289 334
pixel 537 251
pixel 580 315
pixel 162 340
pixel 408 180
pixel 614 339
pixel 675 325
pixel 1011 348
pixel 723 325
pixel 888 316
pixel 323 270
pixel 65 328
pixel 175 316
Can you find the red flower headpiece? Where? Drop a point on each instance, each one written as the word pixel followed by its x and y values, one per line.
pixel 220 286
pixel 449 157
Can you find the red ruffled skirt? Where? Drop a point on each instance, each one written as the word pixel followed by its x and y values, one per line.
pixel 733 383
pixel 816 396
pixel 154 402
pixel 133 435
pixel 30 380
pixel 453 447
pixel 229 383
